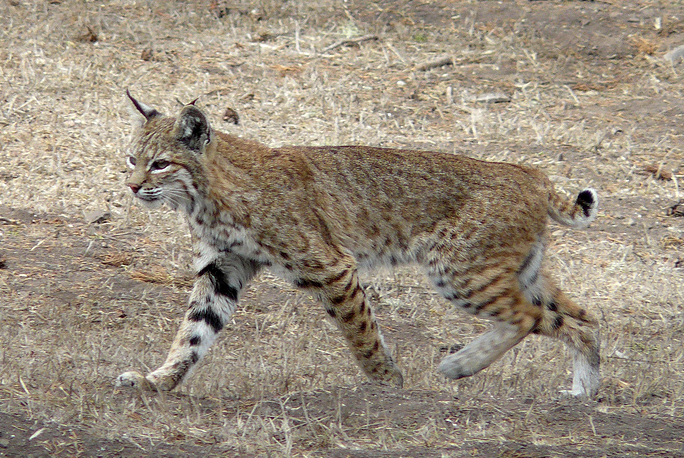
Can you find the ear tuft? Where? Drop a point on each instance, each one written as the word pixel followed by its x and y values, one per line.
pixel 193 129
pixel 141 109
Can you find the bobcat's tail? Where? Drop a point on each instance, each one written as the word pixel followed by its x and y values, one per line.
pixel 579 213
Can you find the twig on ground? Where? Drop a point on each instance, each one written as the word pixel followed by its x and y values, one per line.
pixel 350 41
pixel 4 220
pixel 441 62
pixel 659 172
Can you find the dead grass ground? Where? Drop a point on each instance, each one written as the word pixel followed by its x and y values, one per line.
pixel 590 101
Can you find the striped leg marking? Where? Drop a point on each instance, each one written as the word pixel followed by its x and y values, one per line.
pixel 212 302
pixel 346 302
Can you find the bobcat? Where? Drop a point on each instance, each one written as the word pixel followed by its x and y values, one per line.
pixel 313 215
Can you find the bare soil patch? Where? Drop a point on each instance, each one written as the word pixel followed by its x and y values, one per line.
pixel 91 285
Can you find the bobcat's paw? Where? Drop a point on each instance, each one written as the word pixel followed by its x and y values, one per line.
pixel 572 394
pixel 388 375
pixel 580 392
pixel 457 366
pixel 394 379
pixel 134 379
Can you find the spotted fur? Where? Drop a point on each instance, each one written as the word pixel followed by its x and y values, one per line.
pixel 313 215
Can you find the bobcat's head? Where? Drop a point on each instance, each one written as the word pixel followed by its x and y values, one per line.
pixel 166 156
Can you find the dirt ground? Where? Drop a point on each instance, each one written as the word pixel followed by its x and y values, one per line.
pixel 92 285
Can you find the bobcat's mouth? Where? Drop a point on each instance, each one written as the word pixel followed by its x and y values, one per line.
pixel 151 198
pixel 170 195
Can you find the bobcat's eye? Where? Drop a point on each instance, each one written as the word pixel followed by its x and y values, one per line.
pixel 161 164
pixel 130 161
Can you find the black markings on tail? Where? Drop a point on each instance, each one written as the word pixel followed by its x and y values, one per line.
pixel 585 199
pixel 218 279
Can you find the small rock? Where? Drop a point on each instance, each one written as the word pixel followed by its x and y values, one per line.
pixel 89 36
pixel 248 97
pixel 676 210
pixel 493 97
pixel 147 54
pixel 4 443
pixel 674 55
pixel 231 115
pixel 96 216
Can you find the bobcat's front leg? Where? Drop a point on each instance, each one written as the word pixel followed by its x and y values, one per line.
pixel 345 301
pixel 212 302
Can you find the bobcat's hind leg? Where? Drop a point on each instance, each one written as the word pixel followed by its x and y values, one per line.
pixel 565 320
pixel 212 302
pixel 491 291
pixel 492 345
pixel 481 352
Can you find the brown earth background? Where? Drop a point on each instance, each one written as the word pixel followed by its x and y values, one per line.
pixel 92 285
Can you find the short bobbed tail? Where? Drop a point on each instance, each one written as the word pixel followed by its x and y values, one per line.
pixel 579 213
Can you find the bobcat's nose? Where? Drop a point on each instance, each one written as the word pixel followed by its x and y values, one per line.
pixel 134 187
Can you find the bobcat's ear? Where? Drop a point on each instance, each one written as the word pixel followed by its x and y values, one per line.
pixel 139 109
pixel 192 128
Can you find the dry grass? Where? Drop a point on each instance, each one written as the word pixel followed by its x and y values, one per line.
pixel 81 303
